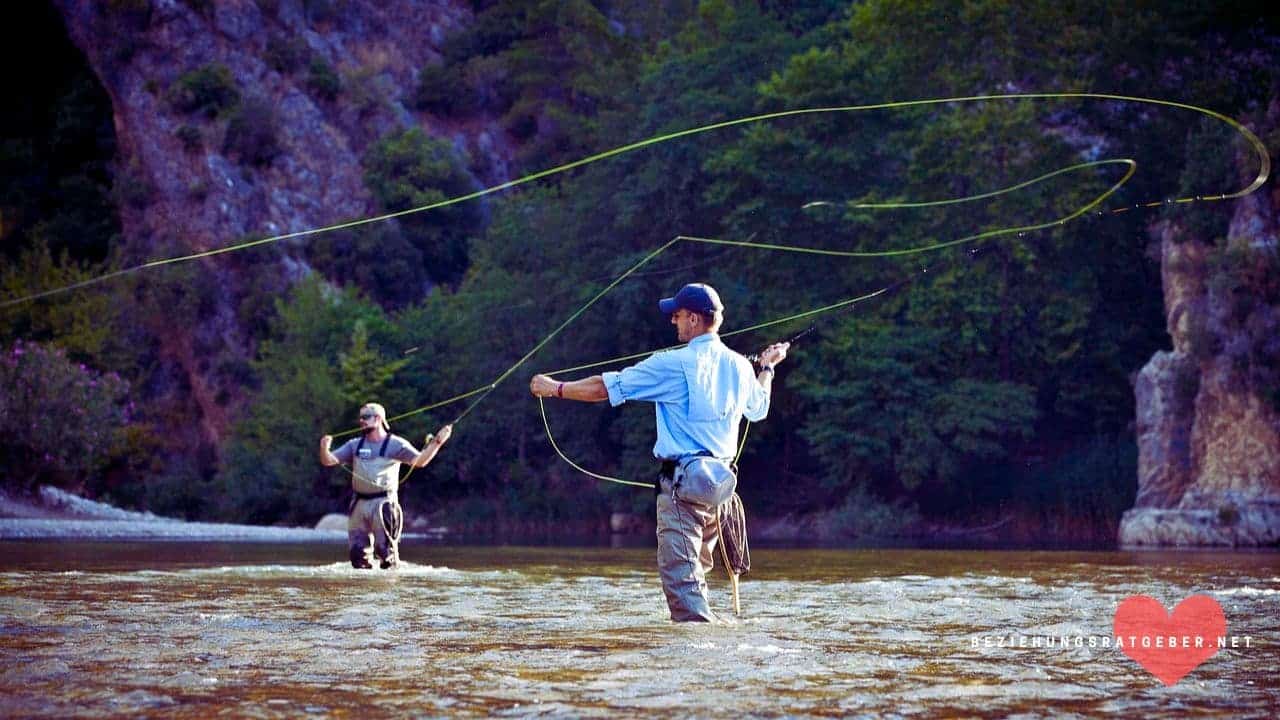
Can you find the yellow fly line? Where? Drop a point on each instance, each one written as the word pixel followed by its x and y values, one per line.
pixel 1260 150
pixel 478 394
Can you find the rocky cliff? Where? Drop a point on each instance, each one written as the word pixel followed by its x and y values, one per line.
pixel 243 119
pixel 1208 411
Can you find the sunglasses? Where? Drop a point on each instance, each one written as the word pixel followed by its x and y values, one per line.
pixel 366 416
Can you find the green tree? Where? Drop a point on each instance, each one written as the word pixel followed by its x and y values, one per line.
pixel 408 170
pixel 270 473
pixel 364 371
pixel 81 322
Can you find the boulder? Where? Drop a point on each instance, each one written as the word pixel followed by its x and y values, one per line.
pixel 333 521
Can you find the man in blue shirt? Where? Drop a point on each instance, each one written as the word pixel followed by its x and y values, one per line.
pixel 700 394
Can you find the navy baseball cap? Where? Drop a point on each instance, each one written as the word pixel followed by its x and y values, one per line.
pixel 695 297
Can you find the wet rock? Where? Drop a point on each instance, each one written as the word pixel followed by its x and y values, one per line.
pixel 1255 523
pixel 627 524
pixel 333 521
pixel 1165 392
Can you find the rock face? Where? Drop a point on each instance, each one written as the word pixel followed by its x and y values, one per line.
pixel 1208 411
pixel 316 83
pixel 202 193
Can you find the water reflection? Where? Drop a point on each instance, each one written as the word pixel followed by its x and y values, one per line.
pixel 280 631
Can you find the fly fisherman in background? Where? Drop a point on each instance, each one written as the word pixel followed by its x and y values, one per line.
pixel 700 393
pixel 376 519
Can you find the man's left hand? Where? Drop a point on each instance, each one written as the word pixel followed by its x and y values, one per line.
pixel 543 386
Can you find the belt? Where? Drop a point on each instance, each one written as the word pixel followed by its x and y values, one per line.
pixel 371 496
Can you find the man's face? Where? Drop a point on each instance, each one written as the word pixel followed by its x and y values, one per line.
pixel 686 324
pixel 369 420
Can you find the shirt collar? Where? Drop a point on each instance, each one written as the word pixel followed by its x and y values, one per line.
pixel 705 337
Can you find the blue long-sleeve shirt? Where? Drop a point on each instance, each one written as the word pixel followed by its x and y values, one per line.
pixel 700 394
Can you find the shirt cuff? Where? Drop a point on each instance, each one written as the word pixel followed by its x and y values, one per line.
pixel 613 386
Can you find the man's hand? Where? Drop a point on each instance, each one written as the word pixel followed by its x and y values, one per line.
pixel 443 434
pixel 774 354
pixel 543 386
pixel 327 458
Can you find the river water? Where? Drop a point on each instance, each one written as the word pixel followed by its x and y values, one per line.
pixel 200 629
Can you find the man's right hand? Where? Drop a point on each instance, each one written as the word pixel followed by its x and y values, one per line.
pixel 774 354
pixel 325 443
pixel 443 435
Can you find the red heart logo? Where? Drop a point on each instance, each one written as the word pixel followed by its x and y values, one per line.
pixel 1169 645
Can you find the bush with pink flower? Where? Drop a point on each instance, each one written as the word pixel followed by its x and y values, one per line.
pixel 59 419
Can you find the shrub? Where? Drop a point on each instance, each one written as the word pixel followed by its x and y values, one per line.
pixel 208 90
pixel 190 137
pixel 321 11
pixel 252 133
pixel 1082 495
pixel 286 55
pixel 366 91
pixel 322 80
pixel 58 419
pixel 440 90
pixel 863 515
pixel 203 8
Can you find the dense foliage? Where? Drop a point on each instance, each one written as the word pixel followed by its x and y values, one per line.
pixel 995 384
pixel 59 420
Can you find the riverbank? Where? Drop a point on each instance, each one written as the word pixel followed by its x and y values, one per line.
pixel 54 514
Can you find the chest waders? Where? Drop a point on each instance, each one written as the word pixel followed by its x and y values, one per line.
pixel 709 481
pixel 390 519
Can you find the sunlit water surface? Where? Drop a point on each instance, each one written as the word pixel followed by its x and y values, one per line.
pixel 198 630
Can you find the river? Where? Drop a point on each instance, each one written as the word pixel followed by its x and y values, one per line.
pixel 196 630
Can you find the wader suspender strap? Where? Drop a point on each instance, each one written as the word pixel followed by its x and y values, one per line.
pixel 381 452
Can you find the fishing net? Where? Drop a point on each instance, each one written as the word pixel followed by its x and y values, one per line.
pixel 733 535
pixel 392 520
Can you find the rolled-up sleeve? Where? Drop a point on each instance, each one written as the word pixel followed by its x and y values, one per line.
pixel 657 378
pixel 757 405
pixel 405 451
